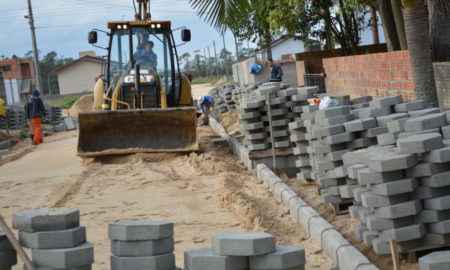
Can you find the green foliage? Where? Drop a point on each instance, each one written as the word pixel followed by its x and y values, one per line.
pixel 23 134
pixel 48 64
pixel 334 21
pixel 65 102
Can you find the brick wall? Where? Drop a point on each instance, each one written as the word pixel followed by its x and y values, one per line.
pixel 377 75
pixel 442 76
pixel 300 67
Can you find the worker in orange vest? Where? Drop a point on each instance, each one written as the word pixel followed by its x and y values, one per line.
pixel 36 112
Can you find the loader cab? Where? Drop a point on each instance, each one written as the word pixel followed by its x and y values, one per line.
pixel 148 48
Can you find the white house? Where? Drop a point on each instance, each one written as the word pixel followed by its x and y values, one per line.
pixel 79 76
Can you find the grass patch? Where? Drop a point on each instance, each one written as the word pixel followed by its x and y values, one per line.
pixel 65 103
pixel 205 80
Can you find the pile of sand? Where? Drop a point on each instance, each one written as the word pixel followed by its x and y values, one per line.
pixel 229 121
pixel 83 104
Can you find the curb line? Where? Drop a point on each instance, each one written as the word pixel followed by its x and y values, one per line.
pixel 334 245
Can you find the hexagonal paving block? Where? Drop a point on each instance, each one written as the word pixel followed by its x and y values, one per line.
pixel 243 243
pixel 140 230
pixel 46 219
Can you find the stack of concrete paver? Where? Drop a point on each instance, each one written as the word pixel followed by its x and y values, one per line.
pixel 245 250
pixel 302 113
pixel 16 117
pixel 439 260
pixel 142 245
pixel 405 191
pixel 54 114
pixel 249 115
pixel 55 238
pixel 8 256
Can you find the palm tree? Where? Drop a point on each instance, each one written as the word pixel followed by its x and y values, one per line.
pixel 219 12
pixel 439 14
pixel 417 36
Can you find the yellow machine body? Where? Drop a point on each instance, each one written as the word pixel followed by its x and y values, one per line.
pixel 122 121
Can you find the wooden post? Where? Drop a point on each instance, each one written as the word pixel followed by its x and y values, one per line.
pixel 16 245
pixel 269 110
pixel 394 253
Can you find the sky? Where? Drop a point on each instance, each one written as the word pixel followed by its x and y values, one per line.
pixel 63 25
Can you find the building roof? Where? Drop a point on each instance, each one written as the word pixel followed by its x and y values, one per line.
pixel 86 58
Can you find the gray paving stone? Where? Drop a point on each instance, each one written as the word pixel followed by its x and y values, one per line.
pixel 377 112
pixel 64 258
pixel 46 219
pixel 371 200
pixel 346 191
pixel 253 126
pixel 382 121
pixel 438 156
pixel 328 131
pixel 161 262
pixel 252 104
pixel 363 99
pixel 439 203
pixel 382 224
pixel 332 112
pixel 374 132
pixel 368 237
pixel 427 169
pixel 429 192
pixel 83 267
pixel 437 180
pixel 336 139
pixel 331 241
pixel 297 124
pixel 404 234
pixel 386 101
pixel 396 125
pixel 361 143
pixel 395 187
pixel 402 135
pixel 248 115
pixel 351 258
pixel 439 260
pixel 425 122
pixel 380 247
pixel 142 248
pixel 285 257
pixel 412 105
pixel 435 239
pixel 294 206
pixel 387 138
pixel 424 112
pixel 357 192
pixel 8 259
pixel 404 209
pixel 388 161
pixel 243 243
pixel 205 259
pixel 332 121
pixel 442 227
pixel 360 124
pixel 446 132
pixel 422 143
pixel 53 239
pixel 352 170
pixel 431 216
pixel 140 230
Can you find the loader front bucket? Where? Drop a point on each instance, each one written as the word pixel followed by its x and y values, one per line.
pixel 137 131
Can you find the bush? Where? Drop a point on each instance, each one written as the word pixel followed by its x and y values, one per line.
pixel 69 102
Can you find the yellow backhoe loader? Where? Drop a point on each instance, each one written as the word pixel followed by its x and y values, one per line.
pixel 143 102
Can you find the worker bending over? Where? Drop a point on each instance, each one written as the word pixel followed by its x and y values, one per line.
pixel 207 106
pixel 277 72
pixel 36 112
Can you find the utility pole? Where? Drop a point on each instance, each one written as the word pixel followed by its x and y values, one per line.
pixel 215 57
pixel 209 62
pixel 35 51
pixel 206 69
pixel 225 57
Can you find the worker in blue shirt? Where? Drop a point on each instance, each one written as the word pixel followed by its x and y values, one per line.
pixel 277 72
pixel 207 106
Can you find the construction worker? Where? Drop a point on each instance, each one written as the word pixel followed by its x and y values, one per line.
pixel 207 106
pixel 36 112
pixel 30 122
pixel 277 72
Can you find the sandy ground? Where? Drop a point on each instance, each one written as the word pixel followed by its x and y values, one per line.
pixel 201 89
pixel 202 193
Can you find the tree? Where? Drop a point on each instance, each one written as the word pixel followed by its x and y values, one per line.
pixel 419 46
pixel 439 17
pixel 334 21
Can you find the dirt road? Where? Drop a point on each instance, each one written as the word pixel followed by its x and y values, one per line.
pixel 202 193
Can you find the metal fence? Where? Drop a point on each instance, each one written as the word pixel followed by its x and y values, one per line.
pixel 315 79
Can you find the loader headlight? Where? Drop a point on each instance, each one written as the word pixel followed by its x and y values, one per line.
pixel 125 26
pixel 153 26
pixel 158 25
pixel 119 26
